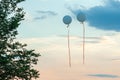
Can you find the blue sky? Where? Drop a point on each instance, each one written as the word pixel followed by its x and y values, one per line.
pixel 44 30
pixel 43 18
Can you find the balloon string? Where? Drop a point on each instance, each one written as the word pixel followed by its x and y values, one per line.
pixel 83 43
pixel 69 48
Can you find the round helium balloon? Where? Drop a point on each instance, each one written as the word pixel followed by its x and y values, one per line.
pixel 81 17
pixel 67 19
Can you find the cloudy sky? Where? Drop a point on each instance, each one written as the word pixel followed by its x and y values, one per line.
pixel 44 31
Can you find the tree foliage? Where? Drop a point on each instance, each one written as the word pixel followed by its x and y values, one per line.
pixel 16 62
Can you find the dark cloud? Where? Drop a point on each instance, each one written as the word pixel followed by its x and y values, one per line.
pixel 45 14
pixel 91 42
pixel 41 17
pixel 87 39
pixel 106 17
pixel 103 75
pixel 97 38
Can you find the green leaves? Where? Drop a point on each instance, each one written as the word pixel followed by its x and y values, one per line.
pixel 16 62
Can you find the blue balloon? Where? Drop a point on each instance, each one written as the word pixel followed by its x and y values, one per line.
pixel 67 19
pixel 81 17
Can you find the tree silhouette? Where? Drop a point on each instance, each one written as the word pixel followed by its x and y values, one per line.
pixel 16 62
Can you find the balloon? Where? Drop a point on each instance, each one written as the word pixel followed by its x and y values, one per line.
pixel 67 19
pixel 81 17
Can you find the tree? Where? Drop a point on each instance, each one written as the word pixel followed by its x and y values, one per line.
pixel 16 62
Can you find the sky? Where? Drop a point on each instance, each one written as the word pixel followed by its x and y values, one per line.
pixel 44 31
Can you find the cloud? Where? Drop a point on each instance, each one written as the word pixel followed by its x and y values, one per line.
pixel 87 39
pixel 39 18
pixel 105 17
pixel 45 14
pixel 103 75
pixel 43 0
pixel 77 37
pixel 55 57
pixel 116 59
